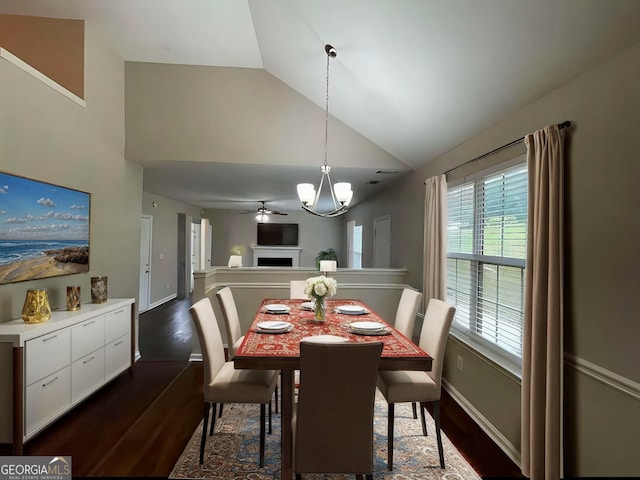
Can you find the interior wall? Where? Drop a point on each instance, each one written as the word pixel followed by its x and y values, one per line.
pixel 315 234
pixel 46 136
pixel 602 228
pixel 164 244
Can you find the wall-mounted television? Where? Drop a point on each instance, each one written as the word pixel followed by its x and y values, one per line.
pixel 278 234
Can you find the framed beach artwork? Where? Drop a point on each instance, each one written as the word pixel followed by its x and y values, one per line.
pixel 44 229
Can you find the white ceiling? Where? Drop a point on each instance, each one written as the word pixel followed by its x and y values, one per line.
pixel 416 77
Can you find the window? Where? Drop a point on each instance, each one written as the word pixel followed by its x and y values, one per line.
pixel 486 252
pixel 354 242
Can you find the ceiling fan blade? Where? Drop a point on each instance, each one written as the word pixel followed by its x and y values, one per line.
pixel 278 213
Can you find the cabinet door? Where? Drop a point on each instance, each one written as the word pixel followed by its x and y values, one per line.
pixel 46 399
pixel 47 354
pixel 87 337
pixel 117 356
pixel 117 323
pixel 87 374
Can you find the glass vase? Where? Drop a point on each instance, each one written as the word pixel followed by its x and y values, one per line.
pixel 320 309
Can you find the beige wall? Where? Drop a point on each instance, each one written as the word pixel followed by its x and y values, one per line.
pixel 602 396
pixel 46 136
pixel 164 247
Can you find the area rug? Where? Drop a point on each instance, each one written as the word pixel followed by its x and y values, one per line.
pixel 233 451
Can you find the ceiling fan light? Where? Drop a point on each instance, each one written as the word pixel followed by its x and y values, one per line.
pixel 307 193
pixel 262 218
pixel 343 192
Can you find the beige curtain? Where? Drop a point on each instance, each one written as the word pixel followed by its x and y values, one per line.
pixel 542 339
pixel 435 239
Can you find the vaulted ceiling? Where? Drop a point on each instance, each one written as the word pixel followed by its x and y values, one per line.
pixel 414 77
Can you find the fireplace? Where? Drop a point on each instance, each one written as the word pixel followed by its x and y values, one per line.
pixel 275 262
pixel 276 256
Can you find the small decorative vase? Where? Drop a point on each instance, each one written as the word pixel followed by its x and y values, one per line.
pixel 73 298
pixel 320 309
pixel 99 289
pixel 36 307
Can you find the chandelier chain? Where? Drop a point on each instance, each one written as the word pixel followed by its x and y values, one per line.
pixel 326 115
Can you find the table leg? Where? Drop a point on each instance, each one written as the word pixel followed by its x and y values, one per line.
pixel 287 405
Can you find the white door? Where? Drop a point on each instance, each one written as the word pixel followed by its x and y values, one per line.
pixel 382 242
pixel 146 223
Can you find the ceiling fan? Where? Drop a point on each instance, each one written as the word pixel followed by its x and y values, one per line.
pixel 262 214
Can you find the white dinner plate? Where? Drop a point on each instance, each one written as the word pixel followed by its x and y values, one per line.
pixel 277 308
pixel 274 327
pixel 350 309
pixel 367 326
pixel 307 306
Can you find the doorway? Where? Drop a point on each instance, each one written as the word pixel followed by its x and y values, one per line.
pixel 146 228
pixel 382 242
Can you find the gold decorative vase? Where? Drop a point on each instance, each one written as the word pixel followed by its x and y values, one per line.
pixel 73 298
pixel 36 307
pixel 98 289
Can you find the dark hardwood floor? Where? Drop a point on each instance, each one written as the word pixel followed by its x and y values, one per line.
pixel 138 425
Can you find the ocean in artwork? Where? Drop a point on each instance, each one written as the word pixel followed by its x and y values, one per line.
pixel 18 250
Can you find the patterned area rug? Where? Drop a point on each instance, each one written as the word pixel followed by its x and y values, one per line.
pixel 233 451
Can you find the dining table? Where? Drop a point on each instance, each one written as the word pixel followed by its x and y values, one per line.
pixel 279 348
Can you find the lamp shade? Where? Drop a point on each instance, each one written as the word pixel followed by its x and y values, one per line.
pixel 343 192
pixel 328 265
pixel 307 193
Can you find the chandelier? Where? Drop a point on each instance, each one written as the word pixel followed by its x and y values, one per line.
pixel 341 192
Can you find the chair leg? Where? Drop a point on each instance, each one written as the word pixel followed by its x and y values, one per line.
pixel 262 420
pixel 415 410
pixel 213 419
pixel 276 399
pixel 423 407
pixel 205 422
pixel 436 418
pixel 369 476
pixel 220 414
pixel 390 420
pixel 298 476
pixel 270 429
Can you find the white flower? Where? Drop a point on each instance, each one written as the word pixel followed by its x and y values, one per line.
pixel 321 286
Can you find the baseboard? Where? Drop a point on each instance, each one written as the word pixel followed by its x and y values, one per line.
pixel 160 302
pixel 505 445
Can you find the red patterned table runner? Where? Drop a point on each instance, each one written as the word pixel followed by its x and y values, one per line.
pixel 287 345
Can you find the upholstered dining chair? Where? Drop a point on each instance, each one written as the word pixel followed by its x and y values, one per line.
pixel 406 319
pixel 333 426
pixel 296 289
pixel 232 326
pixel 422 387
pixel 222 382
pixel 231 320
pixel 406 312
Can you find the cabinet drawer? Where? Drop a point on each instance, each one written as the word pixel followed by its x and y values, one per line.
pixel 87 374
pixel 117 356
pixel 46 399
pixel 47 354
pixel 117 323
pixel 87 337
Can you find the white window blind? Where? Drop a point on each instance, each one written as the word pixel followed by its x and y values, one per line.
pixel 486 252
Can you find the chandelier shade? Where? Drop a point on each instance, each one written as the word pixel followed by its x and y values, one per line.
pixel 341 193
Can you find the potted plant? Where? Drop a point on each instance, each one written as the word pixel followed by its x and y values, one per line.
pixel 328 254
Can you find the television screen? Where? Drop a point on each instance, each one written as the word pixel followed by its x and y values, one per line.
pixel 278 234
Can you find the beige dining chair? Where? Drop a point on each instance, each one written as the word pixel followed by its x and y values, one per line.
pixel 416 386
pixel 296 289
pixel 231 320
pixel 222 382
pixel 333 426
pixel 406 319
pixel 233 328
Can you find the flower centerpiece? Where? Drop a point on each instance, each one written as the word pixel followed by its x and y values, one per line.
pixel 318 289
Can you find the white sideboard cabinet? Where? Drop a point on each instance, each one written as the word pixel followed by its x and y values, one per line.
pixel 48 368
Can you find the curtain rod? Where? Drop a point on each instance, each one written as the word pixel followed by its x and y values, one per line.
pixel 565 124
